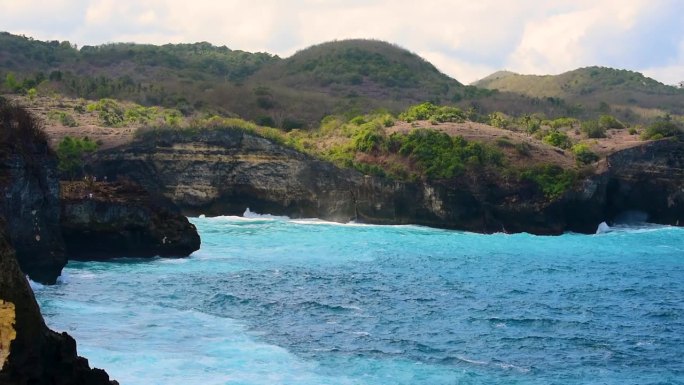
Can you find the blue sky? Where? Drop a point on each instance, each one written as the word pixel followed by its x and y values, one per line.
pixel 465 39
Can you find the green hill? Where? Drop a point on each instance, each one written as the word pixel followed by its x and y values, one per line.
pixel 367 67
pixel 335 77
pixel 347 78
pixel 594 88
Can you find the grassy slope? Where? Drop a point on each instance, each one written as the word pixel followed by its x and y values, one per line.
pixel 624 92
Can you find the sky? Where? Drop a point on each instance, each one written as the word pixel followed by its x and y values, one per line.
pixel 466 39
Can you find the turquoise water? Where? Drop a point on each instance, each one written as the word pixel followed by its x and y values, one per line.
pixel 276 301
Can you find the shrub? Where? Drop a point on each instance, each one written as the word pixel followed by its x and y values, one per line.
pixel 70 152
pixel 110 112
pixel 368 138
pixel 173 118
pixel 583 155
pixel 632 131
pixel 551 179
pixel 358 120
pixel 140 114
pixel 429 111
pixel 504 142
pixel 498 119
pixel 291 124
pixel 662 129
pixel 523 148
pixel 592 129
pixel 562 122
pixel 557 139
pixel 421 111
pixel 266 121
pixel 31 93
pixel 67 120
pixel 388 121
pixel 607 122
pixel 442 156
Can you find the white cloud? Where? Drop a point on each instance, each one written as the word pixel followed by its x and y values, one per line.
pixel 590 33
pixel 672 73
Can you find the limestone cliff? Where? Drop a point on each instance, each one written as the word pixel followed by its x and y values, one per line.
pixel 30 194
pixel 650 179
pixel 103 220
pixel 222 172
pixel 30 353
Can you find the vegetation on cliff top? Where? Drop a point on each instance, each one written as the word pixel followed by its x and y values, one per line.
pixel 374 144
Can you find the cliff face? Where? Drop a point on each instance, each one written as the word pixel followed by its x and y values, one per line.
pixel 30 195
pixel 105 220
pixel 222 172
pixel 30 353
pixel 650 179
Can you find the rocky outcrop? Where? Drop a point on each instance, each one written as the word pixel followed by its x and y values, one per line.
pixel 649 179
pixel 30 353
pixel 104 220
pixel 223 172
pixel 29 186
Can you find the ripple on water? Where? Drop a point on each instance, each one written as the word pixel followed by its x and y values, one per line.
pixel 270 300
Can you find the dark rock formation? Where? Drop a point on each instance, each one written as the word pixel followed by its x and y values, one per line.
pixel 648 179
pixel 223 172
pixel 105 220
pixel 30 353
pixel 29 186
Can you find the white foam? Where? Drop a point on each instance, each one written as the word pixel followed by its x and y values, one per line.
pixel 63 278
pixel 507 366
pixel 35 286
pixel 602 228
pixel 471 361
pixel 250 214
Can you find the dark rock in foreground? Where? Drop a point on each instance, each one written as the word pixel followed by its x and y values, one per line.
pixel 109 220
pixel 29 186
pixel 30 353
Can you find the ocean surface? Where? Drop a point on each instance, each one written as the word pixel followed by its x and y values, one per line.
pixel 278 301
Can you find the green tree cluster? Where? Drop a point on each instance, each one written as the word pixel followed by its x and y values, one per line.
pixel 431 112
pixel 441 156
pixel 70 152
pixel 608 122
pixel 663 129
pixel 553 180
pixel 110 112
pixel 584 155
pixel 557 139
pixel 592 129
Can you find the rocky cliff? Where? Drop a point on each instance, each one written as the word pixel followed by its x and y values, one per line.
pixel 30 353
pixel 221 172
pixel 649 179
pixel 103 220
pixel 29 186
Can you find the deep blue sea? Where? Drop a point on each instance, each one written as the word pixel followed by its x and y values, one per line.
pixel 278 301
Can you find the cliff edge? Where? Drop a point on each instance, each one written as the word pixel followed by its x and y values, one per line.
pixel 225 171
pixel 103 220
pixel 30 353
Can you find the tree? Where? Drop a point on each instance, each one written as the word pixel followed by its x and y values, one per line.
pixel 70 152
pixel 32 93
pixel 11 82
